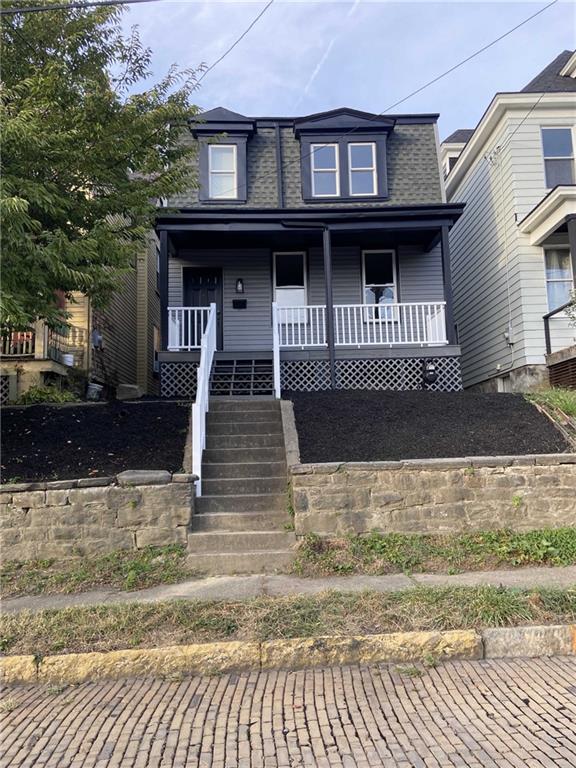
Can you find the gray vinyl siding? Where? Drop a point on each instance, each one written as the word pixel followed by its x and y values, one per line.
pixel 250 329
pixel 412 168
pixel 497 276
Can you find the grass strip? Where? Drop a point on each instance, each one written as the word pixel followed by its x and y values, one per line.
pixel 562 399
pixel 377 553
pixel 124 569
pixel 138 625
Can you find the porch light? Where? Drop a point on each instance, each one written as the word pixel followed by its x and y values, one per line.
pixel 429 372
pixel 240 285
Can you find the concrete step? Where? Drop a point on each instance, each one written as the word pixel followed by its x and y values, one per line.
pixel 243 562
pixel 245 428
pixel 247 485
pixel 252 404
pixel 244 441
pixel 249 502
pixel 237 542
pixel 241 521
pixel 245 469
pixel 241 455
pixel 242 416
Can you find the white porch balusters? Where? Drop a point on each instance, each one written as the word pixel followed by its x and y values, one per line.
pixel 201 404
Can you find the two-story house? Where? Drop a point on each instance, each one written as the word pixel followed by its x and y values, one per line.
pixel 513 252
pixel 319 246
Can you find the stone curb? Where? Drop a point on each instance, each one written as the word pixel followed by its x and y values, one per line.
pixel 539 459
pixel 296 653
pixel 128 478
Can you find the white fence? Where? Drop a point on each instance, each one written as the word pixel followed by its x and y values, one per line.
pixel 363 325
pixel 200 407
pixel 186 326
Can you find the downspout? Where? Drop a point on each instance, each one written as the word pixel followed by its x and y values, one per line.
pixel 279 171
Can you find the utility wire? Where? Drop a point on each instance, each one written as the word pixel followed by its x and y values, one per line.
pixel 69 6
pixel 235 43
pixel 418 90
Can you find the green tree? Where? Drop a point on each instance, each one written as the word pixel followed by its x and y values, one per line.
pixel 87 150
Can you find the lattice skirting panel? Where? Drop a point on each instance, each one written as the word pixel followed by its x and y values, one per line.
pixel 178 379
pixel 375 373
pixel 4 389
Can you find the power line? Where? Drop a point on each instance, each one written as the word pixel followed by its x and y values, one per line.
pixel 421 88
pixel 235 43
pixel 69 6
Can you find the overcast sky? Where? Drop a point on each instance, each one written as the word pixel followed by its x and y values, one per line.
pixel 304 57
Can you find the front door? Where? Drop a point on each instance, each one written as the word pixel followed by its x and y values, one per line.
pixel 201 287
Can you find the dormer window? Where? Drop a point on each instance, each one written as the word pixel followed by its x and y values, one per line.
pixel 325 170
pixel 362 169
pixel 223 171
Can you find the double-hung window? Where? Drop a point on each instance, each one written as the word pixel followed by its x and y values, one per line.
pixel 559 277
pixel 223 171
pixel 558 156
pixel 290 283
pixel 325 170
pixel 379 271
pixel 362 169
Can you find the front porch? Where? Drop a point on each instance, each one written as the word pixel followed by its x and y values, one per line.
pixel 361 299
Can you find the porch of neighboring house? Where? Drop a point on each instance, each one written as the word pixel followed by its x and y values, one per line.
pixel 35 355
pixel 551 226
pixel 308 301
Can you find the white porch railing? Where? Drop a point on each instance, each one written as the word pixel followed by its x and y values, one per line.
pixel 186 326
pixel 200 407
pixel 357 325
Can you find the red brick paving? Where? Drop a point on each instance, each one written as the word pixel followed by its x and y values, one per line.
pixel 484 714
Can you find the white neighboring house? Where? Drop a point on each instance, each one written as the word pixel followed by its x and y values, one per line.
pixel 513 251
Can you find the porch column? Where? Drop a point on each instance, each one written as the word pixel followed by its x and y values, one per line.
pixel 571 225
pixel 163 279
pixel 447 279
pixel 326 241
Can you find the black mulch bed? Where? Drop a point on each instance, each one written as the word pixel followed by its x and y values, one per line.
pixel 379 426
pixel 44 442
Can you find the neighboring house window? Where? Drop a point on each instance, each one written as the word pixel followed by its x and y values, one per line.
pixel 362 169
pixel 223 171
pixel 379 272
pixel 559 277
pixel 558 156
pixel 290 279
pixel 325 170
pixel 156 343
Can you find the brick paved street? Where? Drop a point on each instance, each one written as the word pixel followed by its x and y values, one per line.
pixel 519 713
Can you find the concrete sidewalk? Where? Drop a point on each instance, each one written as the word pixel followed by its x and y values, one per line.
pixel 245 587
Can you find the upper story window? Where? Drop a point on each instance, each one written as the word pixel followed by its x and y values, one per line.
pixel 558 156
pixel 325 170
pixel 363 176
pixel 223 171
pixel 559 278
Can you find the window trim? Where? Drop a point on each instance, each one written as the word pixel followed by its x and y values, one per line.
pixel 205 142
pixel 373 168
pixel 335 170
pixel 571 157
pixel 308 140
pixel 393 316
pixel 304 268
pixel 211 171
pixel 557 280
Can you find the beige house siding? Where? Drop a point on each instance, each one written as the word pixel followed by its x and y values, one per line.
pixel 498 277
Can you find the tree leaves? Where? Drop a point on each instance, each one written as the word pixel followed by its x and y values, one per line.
pixel 84 156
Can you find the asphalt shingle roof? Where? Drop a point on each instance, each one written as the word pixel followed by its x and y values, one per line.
pixel 549 80
pixel 460 136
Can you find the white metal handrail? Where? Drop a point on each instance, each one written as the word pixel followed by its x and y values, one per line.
pixel 186 326
pixel 363 325
pixel 276 349
pixel 201 404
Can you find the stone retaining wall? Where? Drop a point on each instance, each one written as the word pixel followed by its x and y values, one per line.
pixel 69 518
pixel 435 495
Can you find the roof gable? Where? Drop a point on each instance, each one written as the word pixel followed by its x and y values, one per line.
pixel 550 79
pixel 343 119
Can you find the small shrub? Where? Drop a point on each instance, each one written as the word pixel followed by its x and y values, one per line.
pixel 46 394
